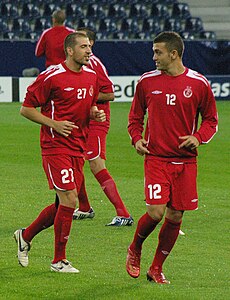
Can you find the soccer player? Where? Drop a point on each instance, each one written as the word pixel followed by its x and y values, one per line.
pixel 173 96
pixel 96 147
pixel 67 95
pixel 50 43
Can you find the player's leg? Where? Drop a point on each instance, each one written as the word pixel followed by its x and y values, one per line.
pixel 24 236
pixel 146 224
pixel 97 157
pixel 156 195
pixel 167 238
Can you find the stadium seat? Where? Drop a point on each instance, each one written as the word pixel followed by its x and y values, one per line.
pixel 116 11
pixel 186 35
pixel 194 24
pixel 159 10
pixel 3 25
pixel 151 25
pixel 9 10
pixel 11 35
pixel 95 10
pixel 121 35
pixel 107 25
pixel 21 25
pixel 30 10
pixel 49 9
pixel 33 36
pixel 87 22
pixel 207 35
pixel 130 25
pixel 42 24
pixel 74 10
pixel 181 10
pixel 138 10
pixel 172 24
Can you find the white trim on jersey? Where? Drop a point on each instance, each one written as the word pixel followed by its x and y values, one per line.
pixel 196 75
pixel 59 69
pixel 87 69
pixel 52 116
pixel 150 74
pixel 97 61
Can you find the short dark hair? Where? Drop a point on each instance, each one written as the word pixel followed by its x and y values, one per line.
pixel 172 40
pixel 90 33
pixel 59 16
pixel 71 40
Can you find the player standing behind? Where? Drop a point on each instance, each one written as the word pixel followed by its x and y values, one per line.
pixel 50 43
pixel 96 147
pixel 174 96
pixel 67 95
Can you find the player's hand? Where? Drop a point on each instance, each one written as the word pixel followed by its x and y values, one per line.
pixel 189 141
pixel 97 115
pixel 64 127
pixel 141 147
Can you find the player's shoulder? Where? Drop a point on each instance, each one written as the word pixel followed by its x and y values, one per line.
pixel 52 71
pixel 88 70
pixel 197 76
pixel 149 75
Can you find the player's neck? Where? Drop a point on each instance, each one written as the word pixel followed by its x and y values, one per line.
pixel 175 70
pixel 73 66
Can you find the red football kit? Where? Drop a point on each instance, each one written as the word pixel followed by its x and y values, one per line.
pixel 96 144
pixel 63 95
pixel 51 44
pixel 173 105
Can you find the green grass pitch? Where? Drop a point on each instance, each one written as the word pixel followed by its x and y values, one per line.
pixel 199 265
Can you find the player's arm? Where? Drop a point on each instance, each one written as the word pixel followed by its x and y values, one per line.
pixel 105 97
pixel 62 127
pixel 40 47
pixel 136 117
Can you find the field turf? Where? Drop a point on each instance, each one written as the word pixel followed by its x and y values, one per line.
pixel 199 265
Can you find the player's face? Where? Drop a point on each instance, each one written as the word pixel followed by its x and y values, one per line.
pixel 81 51
pixel 161 56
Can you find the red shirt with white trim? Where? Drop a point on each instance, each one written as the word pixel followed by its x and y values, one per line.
pixel 51 44
pixel 64 95
pixel 173 104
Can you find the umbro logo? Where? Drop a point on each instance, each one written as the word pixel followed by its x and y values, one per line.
pixel 90 152
pixel 68 89
pixel 156 92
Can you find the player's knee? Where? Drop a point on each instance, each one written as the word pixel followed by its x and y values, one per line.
pixel 155 213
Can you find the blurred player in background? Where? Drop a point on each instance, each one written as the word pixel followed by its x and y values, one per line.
pixel 96 147
pixel 50 43
pixel 67 95
pixel 174 97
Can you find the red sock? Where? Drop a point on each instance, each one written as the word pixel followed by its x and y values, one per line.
pixel 167 238
pixel 62 226
pixel 145 226
pixel 83 198
pixel 43 221
pixel 109 187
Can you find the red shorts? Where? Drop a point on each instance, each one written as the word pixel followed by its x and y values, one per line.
pixel 170 183
pixel 63 172
pixel 96 145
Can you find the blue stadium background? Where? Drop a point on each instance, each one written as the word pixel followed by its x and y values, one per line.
pixel 125 30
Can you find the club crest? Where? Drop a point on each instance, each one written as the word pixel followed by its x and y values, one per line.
pixel 91 90
pixel 187 92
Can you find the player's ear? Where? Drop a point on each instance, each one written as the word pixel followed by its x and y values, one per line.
pixel 174 54
pixel 69 51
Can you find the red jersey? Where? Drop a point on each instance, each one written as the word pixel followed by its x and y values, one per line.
pixel 105 86
pixel 51 44
pixel 64 95
pixel 173 104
